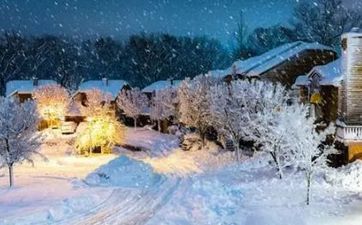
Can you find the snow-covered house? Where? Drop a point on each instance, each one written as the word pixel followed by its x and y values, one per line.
pixel 79 98
pixel 24 89
pixel 336 89
pixel 322 87
pixel 111 87
pixel 151 92
pixel 153 88
pixel 282 64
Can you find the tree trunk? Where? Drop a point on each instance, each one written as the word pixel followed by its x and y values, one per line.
pixel 277 163
pixel 2 87
pixel 238 155
pixel 135 122
pixel 11 175
pixel 159 125
pixel 202 135
pixel 309 177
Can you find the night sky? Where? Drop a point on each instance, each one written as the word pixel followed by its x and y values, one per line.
pixel 121 18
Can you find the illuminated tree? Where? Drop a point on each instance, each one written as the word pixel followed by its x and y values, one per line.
pixel 104 132
pixel 103 129
pixel 52 102
pixel 18 138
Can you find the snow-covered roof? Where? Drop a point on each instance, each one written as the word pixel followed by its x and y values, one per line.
pixel 331 74
pixel 112 87
pixel 25 86
pixel 256 66
pixel 352 34
pixel 301 80
pixel 161 85
pixel 218 73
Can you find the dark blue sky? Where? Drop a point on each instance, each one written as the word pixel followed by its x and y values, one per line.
pixel 120 18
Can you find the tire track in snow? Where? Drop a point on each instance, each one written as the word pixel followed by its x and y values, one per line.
pixel 128 206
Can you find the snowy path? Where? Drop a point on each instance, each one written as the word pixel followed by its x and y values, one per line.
pixel 128 206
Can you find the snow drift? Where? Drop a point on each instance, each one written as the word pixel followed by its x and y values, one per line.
pixel 349 176
pixel 124 172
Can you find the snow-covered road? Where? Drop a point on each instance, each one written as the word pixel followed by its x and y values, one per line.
pixel 128 206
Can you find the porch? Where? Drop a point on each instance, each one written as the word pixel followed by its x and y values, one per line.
pixel 349 133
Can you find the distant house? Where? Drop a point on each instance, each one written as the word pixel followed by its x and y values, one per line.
pixel 24 89
pixel 153 88
pixel 322 87
pixel 151 91
pixel 282 64
pixel 111 87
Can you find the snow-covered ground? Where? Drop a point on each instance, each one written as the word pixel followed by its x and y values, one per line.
pixel 169 186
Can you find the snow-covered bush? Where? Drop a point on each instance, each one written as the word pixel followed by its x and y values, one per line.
pixel 18 137
pixel 133 103
pixel 124 172
pixel 163 105
pixel 194 105
pixel 52 101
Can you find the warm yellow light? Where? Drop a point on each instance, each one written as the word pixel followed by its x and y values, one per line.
pixel 104 132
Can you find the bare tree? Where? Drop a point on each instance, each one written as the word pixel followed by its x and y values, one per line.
pixel 324 21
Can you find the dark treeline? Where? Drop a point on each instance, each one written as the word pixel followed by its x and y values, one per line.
pixel 322 21
pixel 140 60
pixel 145 58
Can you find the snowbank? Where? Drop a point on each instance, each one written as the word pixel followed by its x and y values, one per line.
pixel 124 172
pixel 349 176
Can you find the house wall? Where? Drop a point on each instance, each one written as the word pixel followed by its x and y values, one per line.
pixel 330 101
pixel 352 89
pixel 24 97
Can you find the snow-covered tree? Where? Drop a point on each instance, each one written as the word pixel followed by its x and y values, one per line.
pixel 163 105
pixel 103 129
pixel 104 132
pixel 266 104
pixel 52 101
pixel 97 103
pixel 248 110
pixel 18 138
pixel 306 147
pixel 194 105
pixel 133 103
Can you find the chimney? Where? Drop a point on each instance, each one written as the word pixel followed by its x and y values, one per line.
pixel 355 30
pixel 105 81
pixel 35 81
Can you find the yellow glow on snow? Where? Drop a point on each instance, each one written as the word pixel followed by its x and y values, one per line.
pixel 179 163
